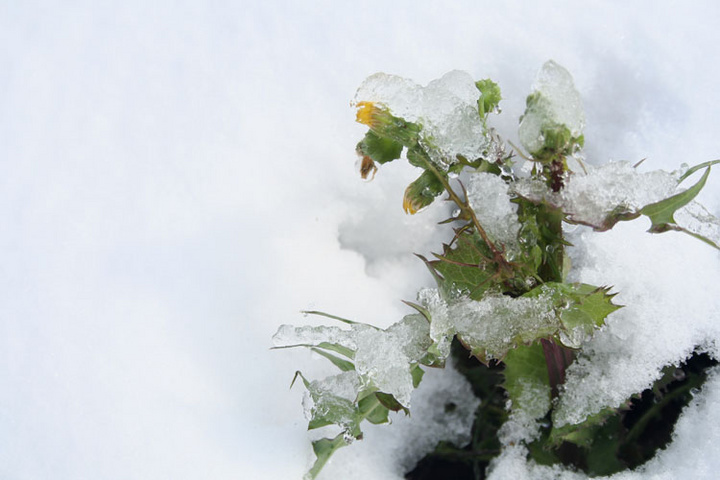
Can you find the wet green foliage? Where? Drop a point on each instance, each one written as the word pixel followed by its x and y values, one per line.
pixel 540 318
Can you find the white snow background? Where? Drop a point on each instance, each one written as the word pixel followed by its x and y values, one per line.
pixel 177 180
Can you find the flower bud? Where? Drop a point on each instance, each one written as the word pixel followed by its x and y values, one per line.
pixel 385 125
pixel 422 192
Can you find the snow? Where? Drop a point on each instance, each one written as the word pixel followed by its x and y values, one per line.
pixel 691 455
pixel 494 324
pixel 333 397
pixel 661 324
pixel 289 335
pixel 591 195
pixel 489 198
pixel 521 426
pixel 177 182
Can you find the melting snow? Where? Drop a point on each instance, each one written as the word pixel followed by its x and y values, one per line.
pixel 559 103
pixel 446 107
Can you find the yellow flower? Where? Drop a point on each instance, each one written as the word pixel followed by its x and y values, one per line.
pixel 366 112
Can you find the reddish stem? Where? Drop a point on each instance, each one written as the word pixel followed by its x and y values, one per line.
pixel 557 358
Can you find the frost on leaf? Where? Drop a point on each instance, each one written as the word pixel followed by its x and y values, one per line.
pixel 385 356
pixel 497 323
pixel 489 198
pixel 331 338
pixel 384 359
pixel 617 191
pixel 447 109
pixel 331 401
pixel 554 112
pixel 380 369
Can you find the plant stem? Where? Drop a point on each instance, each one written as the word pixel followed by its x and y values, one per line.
pixel 557 357
pixel 465 209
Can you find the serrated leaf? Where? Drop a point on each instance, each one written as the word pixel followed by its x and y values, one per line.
pixel 324 448
pixel 489 328
pixel 342 364
pixel 379 149
pixel 581 309
pixel 463 268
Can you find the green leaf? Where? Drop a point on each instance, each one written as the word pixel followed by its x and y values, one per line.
pixel 661 213
pixel 422 310
pixel 342 364
pixel 379 149
pixel 619 214
pixel 418 157
pixel 526 380
pixel 496 324
pixel 694 169
pixel 298 373
pixel 335 317
pixel 373 410
pixel 490 96
pixel 333 347
pixel 463 269
pixel 582 434
pixel 417 375
pixel 389 402
pixel 324 448
pixel 602 456
pixel 581 308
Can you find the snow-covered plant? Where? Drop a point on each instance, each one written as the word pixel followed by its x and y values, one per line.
pixel 503 294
